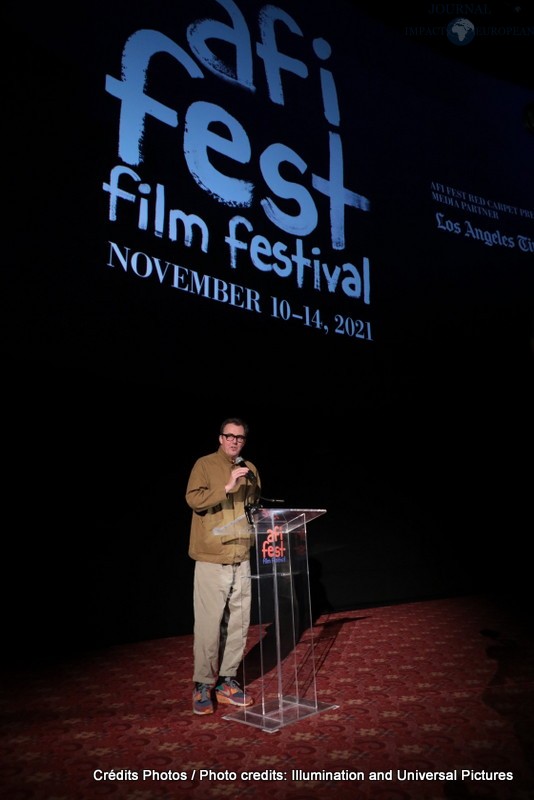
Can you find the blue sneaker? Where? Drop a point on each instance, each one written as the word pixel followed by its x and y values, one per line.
pixel 229 691
pixel 202 702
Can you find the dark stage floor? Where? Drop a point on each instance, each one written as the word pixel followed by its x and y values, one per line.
pixel 437 697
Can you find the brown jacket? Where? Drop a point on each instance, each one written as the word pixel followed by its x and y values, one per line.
pixel 213 508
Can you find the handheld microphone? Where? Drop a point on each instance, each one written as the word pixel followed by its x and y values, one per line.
pixel 240 462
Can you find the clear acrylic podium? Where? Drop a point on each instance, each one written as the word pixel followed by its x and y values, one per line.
pixel 279 669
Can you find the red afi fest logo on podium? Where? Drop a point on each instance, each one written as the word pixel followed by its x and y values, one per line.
pixel 273 546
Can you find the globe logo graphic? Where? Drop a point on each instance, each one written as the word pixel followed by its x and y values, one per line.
pixel 460 31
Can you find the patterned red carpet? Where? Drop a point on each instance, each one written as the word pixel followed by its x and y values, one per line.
pixel 436 700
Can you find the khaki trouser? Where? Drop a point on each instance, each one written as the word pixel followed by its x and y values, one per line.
pixel 221 603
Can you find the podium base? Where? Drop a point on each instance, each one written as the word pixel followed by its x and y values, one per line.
pixel 276 714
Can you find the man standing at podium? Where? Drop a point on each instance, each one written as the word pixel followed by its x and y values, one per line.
pixel 220 485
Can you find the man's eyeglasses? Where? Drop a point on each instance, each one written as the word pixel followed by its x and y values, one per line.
pixel 231 437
